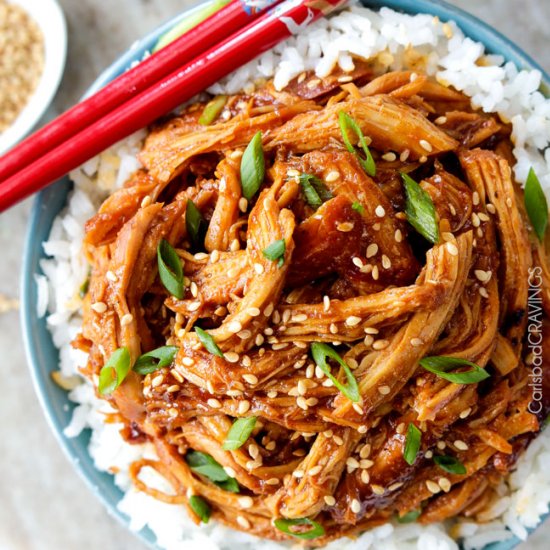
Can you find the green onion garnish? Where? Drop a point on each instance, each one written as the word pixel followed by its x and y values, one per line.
pixel 450 464
pixel 205 465
pixel 276 251
pixel 346 124
pixel 412 444
pixel 252 167
pixel 200 507
pixel 285 525
pixel 114 371
pixel 320 352
pixel 212 110
pixel 83 290
pixel 195 224
pixel 420 210
pixel 314 190
pixel 208 342
pixel 536 205
pixel 156 359
pixel 358 207
pixel 409 517
pixel 170 269
pixel 239 432
pixel 441 365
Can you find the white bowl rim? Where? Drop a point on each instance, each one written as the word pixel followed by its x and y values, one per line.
pixel 49 17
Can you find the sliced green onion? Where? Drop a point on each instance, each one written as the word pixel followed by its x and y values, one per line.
pixel 156 359
pixel 320 352
pixel 83 290
pixel 409 517
pixel 358 207
pixel 536 205
pixel 239 432
pixel 114 371
pixel 347 123
pixel 195 224
pixel 230 485
pixel 276 251
pixel 285 525
pixel 314 190
pixel 412 444
pixel 420 210
pixel 441 365
pixel 200 507
pixel 252 167
pixel 212 110
pixel 205 465
pixel 170 269
pixel 450 464
pixel 188 23
pixel 208 342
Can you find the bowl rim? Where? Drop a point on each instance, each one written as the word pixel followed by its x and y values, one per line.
pixel 49 17
pixel 49 203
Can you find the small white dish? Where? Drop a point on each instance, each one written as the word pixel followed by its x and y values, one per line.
pixel 49 17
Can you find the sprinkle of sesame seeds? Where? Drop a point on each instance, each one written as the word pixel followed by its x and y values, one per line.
pixel 243 204
pixel 491 208
pixel 258 268
pixel 384 390
pixel 210 386
pixel 243 522
pixel 272 481
pixel 269 310
pixel 441 120
pixel 426 145
pixel 483 276
pixel 188 361
pixel 432 486
pixel 395 486
pixel 372 250
pixel 416 342
pixel 244 406
pixel 365 476
pixel 380 211
pixel 234 393
pixel 390 157
pixel 445 484
pixel 99 307
pixel 358 409
pixel 231 356
pixel 368 340
pixel 355 506
pixel 378 489
pixel 315 470
pixel 214 403
pixel 300 318
pixel 404 155
pixel 329 500
pixel 177 376
pixel 246 361
pixel 234 327
pixel 272 394
pixel 475 220
pixel 146 201
pixel 193 306
pixel 375 273
pixel 509 202
pixel 298 474
pixel 358 262
pixel 475 198
pixel 333 328
pixel 245 502
pixel 461 445
pixel 201 256
pixel 252 379
pixel 465 413
pixel 423 159
pixel 333 175
pixel 483 217
pixel 244 334
pixel 365 450
pixel 328 383
pixel 271 446
pixel 362 429
pixel 338 440
pixel 157 381
pixel 353 321
pixel 386 262
pixel 314 82
pixel 344 227
pixel 441 445
pixel 126 319
pixel 380 344
pixel 429 454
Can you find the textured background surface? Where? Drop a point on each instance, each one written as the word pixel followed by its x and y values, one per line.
pixel 43 503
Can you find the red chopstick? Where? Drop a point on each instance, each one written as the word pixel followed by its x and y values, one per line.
pixel 257 37
pixel 229 19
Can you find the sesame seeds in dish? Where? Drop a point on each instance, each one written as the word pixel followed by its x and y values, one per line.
pixel 303 310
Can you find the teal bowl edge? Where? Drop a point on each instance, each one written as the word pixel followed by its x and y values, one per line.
pixel 43 357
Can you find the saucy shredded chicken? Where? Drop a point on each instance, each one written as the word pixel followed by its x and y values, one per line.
pixel 379 437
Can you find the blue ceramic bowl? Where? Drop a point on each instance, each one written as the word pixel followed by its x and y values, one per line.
pixel 42 355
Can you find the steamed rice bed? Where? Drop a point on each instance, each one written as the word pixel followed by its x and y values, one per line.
pixel 355 32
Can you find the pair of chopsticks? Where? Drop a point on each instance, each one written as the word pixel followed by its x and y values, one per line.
pixel 155 87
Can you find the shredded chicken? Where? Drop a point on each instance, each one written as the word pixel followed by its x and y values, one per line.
pixel 352 273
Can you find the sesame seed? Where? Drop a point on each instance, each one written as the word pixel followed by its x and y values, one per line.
pixel 461 445
pixel 404 155
pixel 293 173
pixel 245 502
pixel 429 454
pixel 345 227
pixel 177 375
pixel 329 500
pixel 246 361
pixel 353 321
pixel 188 361
pixel 380 211
pixel 365 476
pixel 465 413
pixel 483 292
pixel 269 310
pixel 244 334
pixel 475 198
pixel 214 403
pixel 234 327
pixel 386 262
pixel 371 330
pixel 416 342
pixel 509 202
pixel 372 250
pixel 157 381
pixel 483 276
pixel 253 311
pixel 338 440
pixel 126 319
pixel 272 481
pixel 99 307
pixel 432 486
pixel 452 249
pixel 258 268
pixel 380 344
pixel 483 217
pixel 378 489
pixel 300 318
pixel 333 175
pixel 447 236
pixel 201 256
pixel 355 506
pixel 234 393
pixel 298 474
pixel 243 522
pixel 272 394
pixel 312 83
pixel 230 471
pixel 302 403
pixel 315 470
pixel 368 340
pixel 244 406
pixel 441 445
pixel 146 201
pixel 427 146
pixel 271 446
pixel 398 236
pixel 441 120
pixel 252 379
pixel 193 306
pixel 333 328
pixel 365 450
pixel 384 390
pixel 491 208
pixel 375 273
pixel 111 276
pixel 215 256
pixel 231 357
pixel 243 204
pixel 357 262
pixel 362 429
pixel 475 220
pixel 253 450
pixel 395 486
pixel 390 157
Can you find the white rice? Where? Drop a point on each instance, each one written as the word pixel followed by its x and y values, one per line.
pixel 452 59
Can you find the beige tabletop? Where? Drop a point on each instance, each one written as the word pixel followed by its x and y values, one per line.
pixel 44 505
